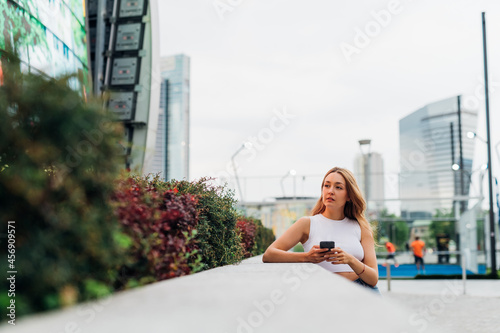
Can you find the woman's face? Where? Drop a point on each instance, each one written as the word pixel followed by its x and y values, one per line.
pixel 334 191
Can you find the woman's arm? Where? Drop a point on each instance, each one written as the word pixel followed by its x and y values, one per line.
pixel 298 232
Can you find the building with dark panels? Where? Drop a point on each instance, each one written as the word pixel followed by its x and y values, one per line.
pixel 124 59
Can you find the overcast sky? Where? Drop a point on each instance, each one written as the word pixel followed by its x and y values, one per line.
pixel 307 80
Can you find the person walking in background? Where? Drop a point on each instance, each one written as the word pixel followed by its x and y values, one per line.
pixel 391 250
pixel 418 247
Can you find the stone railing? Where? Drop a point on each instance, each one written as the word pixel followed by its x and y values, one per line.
pixel 244 298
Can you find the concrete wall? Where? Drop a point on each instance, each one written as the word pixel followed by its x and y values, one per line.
pixel 250 297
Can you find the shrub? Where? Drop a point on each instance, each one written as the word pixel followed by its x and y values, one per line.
pixel 161 225
pixel 263 237
pixel 57 165
pixel 247 230
pixel 217 236
pixel 255 238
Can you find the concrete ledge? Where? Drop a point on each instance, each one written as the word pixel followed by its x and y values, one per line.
pixel 245 298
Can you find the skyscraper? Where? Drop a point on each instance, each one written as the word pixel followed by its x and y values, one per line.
pixel 375 181
pixel 171 157
pixel 432 139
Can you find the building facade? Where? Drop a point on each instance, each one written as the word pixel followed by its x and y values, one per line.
pixel 375 181
pixel 171 157
pixel 432 140
pixel 49 37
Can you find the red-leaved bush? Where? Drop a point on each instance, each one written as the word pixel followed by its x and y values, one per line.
pixel 161 225
pixel 247 230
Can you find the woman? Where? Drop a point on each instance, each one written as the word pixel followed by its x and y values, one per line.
pixel 338 216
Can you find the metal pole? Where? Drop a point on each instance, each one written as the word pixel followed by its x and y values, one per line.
pixel 388 276
pixel 488 140
pixel 453 162
pixel 111 46
pixel 99 47
pixel 462 192
pixel 464 274
pixel 236 173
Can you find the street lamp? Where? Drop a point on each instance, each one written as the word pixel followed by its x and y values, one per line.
pixel 474 135
pixel 246 145
pixel 289 173
pixel 488 140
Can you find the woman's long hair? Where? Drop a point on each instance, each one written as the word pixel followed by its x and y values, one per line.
pixel 353 209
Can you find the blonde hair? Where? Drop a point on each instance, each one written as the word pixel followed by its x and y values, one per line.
pixel 355 207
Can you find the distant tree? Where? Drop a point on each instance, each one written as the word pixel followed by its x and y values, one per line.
pixel 396 231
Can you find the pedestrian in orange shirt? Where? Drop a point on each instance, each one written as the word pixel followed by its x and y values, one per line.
pixel 391 250
pixel 418 247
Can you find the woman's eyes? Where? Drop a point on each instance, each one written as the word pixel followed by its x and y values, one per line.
pixel 337 187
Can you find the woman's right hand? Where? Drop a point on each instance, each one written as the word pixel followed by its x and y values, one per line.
pixel 315 254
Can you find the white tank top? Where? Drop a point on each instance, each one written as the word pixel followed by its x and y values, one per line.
pixel 345 233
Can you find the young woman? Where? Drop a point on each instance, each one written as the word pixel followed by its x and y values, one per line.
pixel 338 216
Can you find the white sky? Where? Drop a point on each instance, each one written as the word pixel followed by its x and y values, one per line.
pixel 260 56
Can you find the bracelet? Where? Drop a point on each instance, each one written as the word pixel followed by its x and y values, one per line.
pixel 364 266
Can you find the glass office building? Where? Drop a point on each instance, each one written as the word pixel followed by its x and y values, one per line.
pixel 171 157
pixel 432 139
pixel 48 36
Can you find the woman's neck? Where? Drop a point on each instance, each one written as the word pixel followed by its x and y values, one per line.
pixel 333 214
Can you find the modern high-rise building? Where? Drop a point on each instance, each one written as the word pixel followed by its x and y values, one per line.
pixel 374 169
pixel 171 157
pixel 432 140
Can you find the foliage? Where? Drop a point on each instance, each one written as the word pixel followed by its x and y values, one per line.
pixel 217 236
pixel 161 225
pixel 442 227
pixel 263 237
pixel 255 238
pixel 58 162
pixel 247 230
pixel 397 232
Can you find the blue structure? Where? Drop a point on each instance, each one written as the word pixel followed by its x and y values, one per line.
pixel 410 270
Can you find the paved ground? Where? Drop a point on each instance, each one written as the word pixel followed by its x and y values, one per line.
pixel 443 303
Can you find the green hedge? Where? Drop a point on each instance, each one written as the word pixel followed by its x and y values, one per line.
pixel 57 166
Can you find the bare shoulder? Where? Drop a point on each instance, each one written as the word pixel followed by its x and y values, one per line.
pixel 303 222
pixel 366 234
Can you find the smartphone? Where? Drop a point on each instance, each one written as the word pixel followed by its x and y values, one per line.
pixel 327 245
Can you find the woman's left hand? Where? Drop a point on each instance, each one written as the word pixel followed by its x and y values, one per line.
pixel 338 256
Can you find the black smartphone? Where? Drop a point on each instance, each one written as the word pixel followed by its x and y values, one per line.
pixel 327 245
